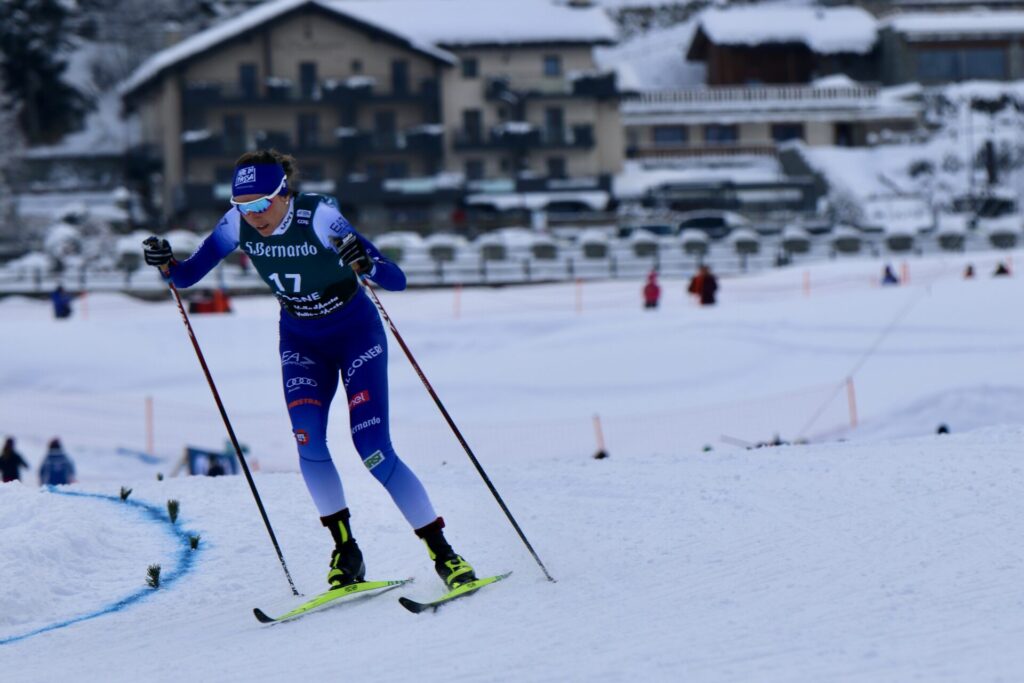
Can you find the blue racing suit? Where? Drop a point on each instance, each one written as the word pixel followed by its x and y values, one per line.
pixel 330 333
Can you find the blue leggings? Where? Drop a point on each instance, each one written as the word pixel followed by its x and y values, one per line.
pixel 349 345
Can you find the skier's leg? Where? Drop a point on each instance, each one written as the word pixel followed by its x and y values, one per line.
pixel 310 383
pixel 366 385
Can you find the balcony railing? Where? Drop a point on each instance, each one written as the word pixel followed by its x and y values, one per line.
pixel 512 91
pixel 701 150
pixel 575 137
pixel 425 139
pixel 279 90
pixel 754 98
pixel 498 138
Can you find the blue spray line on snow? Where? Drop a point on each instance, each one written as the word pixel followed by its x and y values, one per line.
pixel 186 557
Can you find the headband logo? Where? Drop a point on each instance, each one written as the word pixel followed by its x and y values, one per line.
pixel 245 175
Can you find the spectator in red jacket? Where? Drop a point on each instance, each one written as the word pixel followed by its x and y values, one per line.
pixel 652 290
pixel 704 285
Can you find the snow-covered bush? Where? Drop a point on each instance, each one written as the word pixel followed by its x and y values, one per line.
pixel 183 243
pixel 952 231
pixel 695 242
pixel 795 240
pixel 899 240
pixel 445 247
pixel 593 243
pixel 1003 233
pixel 847 240
pixel 745 242
pixel 399 244
pixel 643 243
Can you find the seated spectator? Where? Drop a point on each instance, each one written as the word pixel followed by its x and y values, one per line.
pixel 57 468
pixel 968 272
pixel 1001 270
pixel 216 469
pixel 889 276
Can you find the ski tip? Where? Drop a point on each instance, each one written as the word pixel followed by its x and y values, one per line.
pixel 417 607
pixel 261 617
pixel 412 605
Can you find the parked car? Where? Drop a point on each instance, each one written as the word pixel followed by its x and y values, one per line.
pixel 657 229
pixel 715 224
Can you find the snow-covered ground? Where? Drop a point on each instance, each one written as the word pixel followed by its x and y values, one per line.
pixel 876 552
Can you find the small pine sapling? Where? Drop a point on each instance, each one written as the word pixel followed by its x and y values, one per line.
pixel 153 576
pixel 172 510
pixel 125 492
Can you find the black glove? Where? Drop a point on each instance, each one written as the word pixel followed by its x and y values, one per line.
pixel 353 254
pixel 157 252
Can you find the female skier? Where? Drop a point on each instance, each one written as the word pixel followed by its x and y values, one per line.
pixel 330 332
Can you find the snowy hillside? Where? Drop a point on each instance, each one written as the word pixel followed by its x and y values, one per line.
pixel 880 551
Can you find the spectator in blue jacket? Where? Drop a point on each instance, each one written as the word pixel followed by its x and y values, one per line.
pixel 61 303
pixel 57 467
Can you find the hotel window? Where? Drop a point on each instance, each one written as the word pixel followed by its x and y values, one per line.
pixel 670 136
pixel 782 132
pixel 474 169
pixel 938 65
pixel 956 65
pixel 552 65
pixel 719 134
pixel 985 63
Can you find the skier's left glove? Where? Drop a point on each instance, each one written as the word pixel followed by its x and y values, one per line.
pixel 157 252
pixel 353 254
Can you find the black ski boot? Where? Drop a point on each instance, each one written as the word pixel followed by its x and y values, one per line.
pixel 452 569
pixel 346 560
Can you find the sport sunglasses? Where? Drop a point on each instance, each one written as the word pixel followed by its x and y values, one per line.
pixel 258 205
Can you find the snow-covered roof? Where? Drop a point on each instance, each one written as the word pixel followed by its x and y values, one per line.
pixel 823 30
pixel 653 60
pixel 215 35
pixel 976 22
pixel 423 25
pixel 486 22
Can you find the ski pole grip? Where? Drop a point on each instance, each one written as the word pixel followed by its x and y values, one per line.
pixel 153 242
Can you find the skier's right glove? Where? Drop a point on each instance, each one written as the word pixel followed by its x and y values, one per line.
pixel 353 254
pixel 157 252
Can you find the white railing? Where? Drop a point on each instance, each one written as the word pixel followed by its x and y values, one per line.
pixel 756 94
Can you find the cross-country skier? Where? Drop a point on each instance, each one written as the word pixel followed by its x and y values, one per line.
pixel 330 332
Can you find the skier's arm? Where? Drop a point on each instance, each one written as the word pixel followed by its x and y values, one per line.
pixel 330 226
pixel 218 244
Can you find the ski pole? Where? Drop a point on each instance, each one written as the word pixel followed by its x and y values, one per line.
pixel 227 425
pixel 454 428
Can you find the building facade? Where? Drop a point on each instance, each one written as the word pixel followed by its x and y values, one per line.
pixel 935 47
pixel 774 74
pixel 386 105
